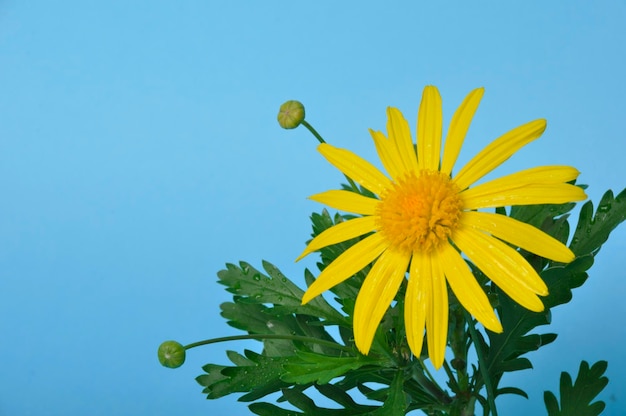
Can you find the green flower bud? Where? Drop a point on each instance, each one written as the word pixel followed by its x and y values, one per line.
pixel 171 354
pixel 291 114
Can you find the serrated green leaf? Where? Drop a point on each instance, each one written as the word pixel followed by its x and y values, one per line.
pixel 395 404
pixel 259 319
pixel 421 393
pixel 268 409
pixel 339 396
pixel 255 373
pixel 593 230
pixel 322 369
pixel 576 397
pixel 239 359
pixel 536 215
pixel 550 218
pixel 252 286
pixel 213 376
pixel 296 397
pixel 505 350
pixel 561 280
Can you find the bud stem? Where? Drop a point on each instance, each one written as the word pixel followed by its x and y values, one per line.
pixel 313 131
pixel 269 336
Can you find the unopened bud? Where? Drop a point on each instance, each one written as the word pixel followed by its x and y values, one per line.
pixel 171 354
pixel 291 114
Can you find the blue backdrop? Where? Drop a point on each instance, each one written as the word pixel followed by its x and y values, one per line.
pixel 139 152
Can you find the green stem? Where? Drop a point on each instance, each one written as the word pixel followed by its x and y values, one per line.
pixel 355 188
pixel 481 364
pixel 269 336
pixel 428 382
pixel 431 387
pixel 313 131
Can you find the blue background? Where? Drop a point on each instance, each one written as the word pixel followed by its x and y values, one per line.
pixel 139 152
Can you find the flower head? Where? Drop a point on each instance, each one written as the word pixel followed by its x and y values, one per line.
pixel 423 219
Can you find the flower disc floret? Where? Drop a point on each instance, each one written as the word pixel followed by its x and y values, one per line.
pixel 419 212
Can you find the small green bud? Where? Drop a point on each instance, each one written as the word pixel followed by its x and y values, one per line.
pixel 291 114
pixel 171 354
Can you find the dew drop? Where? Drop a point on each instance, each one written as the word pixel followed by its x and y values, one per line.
pixel 257 277
pixel 604 208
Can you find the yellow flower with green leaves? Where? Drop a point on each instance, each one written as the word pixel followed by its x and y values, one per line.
pixel 424 219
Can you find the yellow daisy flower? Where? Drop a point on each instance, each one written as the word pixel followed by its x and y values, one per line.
pixel 424 218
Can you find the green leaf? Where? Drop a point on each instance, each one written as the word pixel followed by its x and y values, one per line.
pixel 422 391
pixel 340 396
pixel 322 369
pixel 576 397
pixel 512 390
pixel 259 319
pixel 561 280
pixel 297 398
pixel 269 409
pixel 593 230
pixel 537 215
pixel 505 351
pixel 549 218
pixel 255 373
pixel 252 286
pixel 395 404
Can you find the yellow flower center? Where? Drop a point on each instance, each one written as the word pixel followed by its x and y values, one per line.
pixel 420 211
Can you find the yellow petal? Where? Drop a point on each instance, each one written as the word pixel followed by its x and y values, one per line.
pixel 388 154
pixel 502 264
pixel 547 175
pixel 525 195
pixel 467 290
pixel 347 264
pixel 375 296
pixel 458 129
pixel 400 135
pixel 437 315
pixel 355 167
pixel 498 151
pixel 429 122
pixel 339 233
pixel 347 201
pixel 519 234
pixel 417 301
